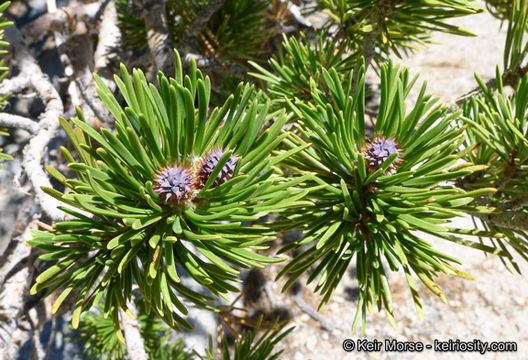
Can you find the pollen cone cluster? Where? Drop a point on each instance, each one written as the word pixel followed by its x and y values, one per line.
pixel 209 163
pixel 177 183
pixel 377 151
pixel 174 184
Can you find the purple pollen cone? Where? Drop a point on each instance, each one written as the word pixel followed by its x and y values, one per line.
pixel 174 184
pixel 209 163
pixel 377 151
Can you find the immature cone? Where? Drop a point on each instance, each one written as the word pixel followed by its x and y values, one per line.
pixel 174 184
pixel 209 162
pixel 377 151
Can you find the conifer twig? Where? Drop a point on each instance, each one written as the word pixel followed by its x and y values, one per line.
pixel 369 48
pixel 133 341
pixel 516 220
pixel 519 202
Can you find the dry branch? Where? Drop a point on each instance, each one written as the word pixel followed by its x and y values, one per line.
pixel 158 35
pixel 199 24
pixel 307 309
pixel 109 39
pixel 21 122
pixel 296 12
pixel 17 275
pixel 58 19
pixel 15 84
pixel 49 124
pixel 186 45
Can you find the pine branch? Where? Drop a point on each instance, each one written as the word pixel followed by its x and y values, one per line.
pixel 491 83
pixel 510 217
pixel 519 202
pixel 133 340
pixel 516 220
pixel 369 48
pixel 509 77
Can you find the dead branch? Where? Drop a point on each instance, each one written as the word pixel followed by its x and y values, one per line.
pixel 17 121
pixel 53 332
pixel 37 350
pixel 296 295
pixel 13 296
pixel 58 19
pixel 19 337
pixel 109 38
pixel 72 26
pixel 14 84
pixel 79 60
pixel 296 12
pixel 158 35
pixel 49 124
pixel 190 38
pixel 199 24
